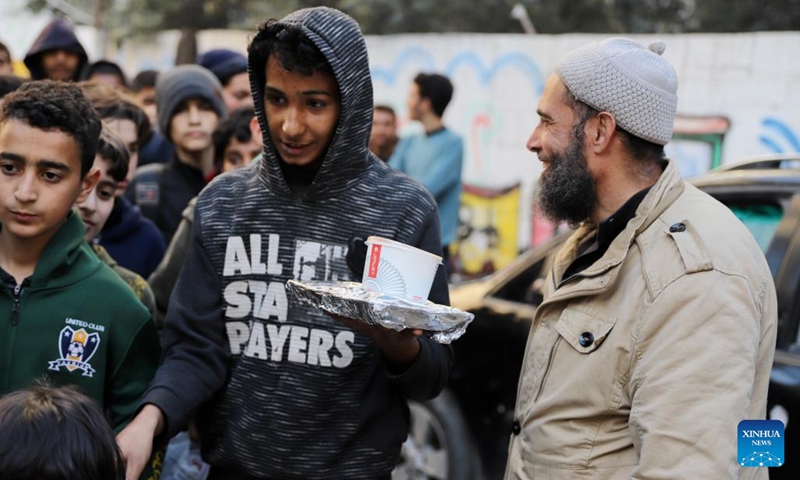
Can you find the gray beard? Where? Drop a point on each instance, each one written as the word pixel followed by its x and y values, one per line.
pixel 567 190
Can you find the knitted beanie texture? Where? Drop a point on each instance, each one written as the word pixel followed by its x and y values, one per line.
pixel 632 82
pixel 185 82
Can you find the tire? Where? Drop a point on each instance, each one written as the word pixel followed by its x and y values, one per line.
pixel 438 446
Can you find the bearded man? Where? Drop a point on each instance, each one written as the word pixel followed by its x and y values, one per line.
pixel 657 330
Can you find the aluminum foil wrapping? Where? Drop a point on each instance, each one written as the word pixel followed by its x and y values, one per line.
pixel 348 299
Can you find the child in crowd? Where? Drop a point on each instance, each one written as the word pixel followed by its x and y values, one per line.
pixel 49 433
pixel 383 138
pixel 237 142
pixel 231 69
pixel 105 72
pixel 57 54
pixel 129 237
pixel 9 83
pixel 156 149
pixel 143 87
pixel 278 388
pixel 112 163
pixel 66 314
pixel 190 108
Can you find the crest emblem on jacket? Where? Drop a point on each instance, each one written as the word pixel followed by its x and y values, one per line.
pixel 76 347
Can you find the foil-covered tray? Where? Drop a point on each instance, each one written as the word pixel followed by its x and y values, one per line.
pixel 349 299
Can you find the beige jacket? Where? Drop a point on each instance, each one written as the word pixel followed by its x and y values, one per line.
pixel 643 365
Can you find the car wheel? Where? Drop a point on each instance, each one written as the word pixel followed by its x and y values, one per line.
pixel 438 446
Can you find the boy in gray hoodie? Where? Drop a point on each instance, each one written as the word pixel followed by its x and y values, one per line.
pixel 283 390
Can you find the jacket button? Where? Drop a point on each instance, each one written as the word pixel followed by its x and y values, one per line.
pixel 516 427
pixel 677 227
pixel 586 339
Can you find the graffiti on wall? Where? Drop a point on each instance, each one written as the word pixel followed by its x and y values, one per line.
pixel 487 232
pixel 499 79
pixel 697 142
pixel 777 136
pixel 488 235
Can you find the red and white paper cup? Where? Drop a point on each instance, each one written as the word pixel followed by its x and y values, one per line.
pixel 398 269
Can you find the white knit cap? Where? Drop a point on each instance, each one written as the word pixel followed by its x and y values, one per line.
pixel 632 82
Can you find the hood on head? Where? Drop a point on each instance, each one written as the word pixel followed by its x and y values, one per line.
pixel 339 39
pixel 58 34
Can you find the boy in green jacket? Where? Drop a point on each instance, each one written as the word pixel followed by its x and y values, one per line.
pixel 63 313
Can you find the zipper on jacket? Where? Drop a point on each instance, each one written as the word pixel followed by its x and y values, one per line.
pixel 16 293
pixel 15 309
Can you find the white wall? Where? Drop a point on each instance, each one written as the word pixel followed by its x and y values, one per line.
pixel 753 80
pixel 750 80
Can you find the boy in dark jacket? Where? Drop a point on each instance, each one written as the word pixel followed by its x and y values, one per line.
pixel 66 315
pixel 56 54
pixel 237 142
pixel 190 108
pixel 111 162
pixel 289 392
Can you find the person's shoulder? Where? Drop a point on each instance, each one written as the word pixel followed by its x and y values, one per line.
pixel 138 285
pixel 235 182
pixel 452 136
pixel 144 230
pixel 452 142
pixel 697 233
pixel 224 195
pixel 108 284
pixel 131 278
pixel 127 312
pixel 157 150
pixel 108 296
pixel 150 172
pixel 391 184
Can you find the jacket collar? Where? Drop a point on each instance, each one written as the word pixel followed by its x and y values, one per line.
pixel 60 260
pixel 663 194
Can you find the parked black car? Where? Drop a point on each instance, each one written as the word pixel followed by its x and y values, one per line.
pixel 464 433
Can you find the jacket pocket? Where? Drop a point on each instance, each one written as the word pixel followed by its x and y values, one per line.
pixel 583 331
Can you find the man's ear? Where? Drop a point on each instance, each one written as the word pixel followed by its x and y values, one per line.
pixel 602 132
pixel 426 104
pixel 88 183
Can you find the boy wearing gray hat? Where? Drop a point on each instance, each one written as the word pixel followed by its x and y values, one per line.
pixel 657 330
pixel 190 107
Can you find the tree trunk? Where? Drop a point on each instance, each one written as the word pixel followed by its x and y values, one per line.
pixel 187 47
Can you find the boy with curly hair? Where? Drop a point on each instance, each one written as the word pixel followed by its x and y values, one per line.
pixel 68 316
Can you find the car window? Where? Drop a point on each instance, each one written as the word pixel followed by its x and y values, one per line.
pixel 762 221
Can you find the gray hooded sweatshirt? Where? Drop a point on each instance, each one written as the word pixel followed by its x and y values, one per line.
pixel 279 389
